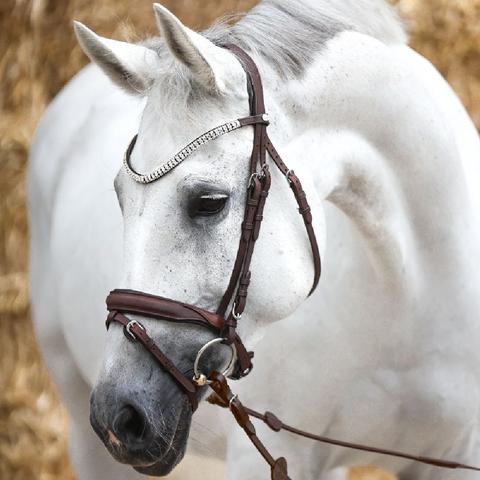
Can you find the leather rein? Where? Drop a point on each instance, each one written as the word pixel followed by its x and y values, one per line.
pixel 120 302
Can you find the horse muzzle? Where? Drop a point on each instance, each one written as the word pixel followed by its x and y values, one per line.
pixel 138 434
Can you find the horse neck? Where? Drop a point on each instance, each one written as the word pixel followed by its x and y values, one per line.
pixel 379 149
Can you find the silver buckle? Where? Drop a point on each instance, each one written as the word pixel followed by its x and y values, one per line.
pixel 252 177
pixel 261 174
pixel 128 330
pixel 201 379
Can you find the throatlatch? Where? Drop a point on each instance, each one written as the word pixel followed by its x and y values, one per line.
pixel 121 303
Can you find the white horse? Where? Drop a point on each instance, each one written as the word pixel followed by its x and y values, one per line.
pixel 386 352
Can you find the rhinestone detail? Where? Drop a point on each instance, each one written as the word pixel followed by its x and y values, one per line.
pixel 182 154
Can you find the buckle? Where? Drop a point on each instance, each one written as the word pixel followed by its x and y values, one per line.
pixel 127 330
pixel 258 175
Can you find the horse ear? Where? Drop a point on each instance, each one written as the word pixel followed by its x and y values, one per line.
pixel 130 66
pixel 204 59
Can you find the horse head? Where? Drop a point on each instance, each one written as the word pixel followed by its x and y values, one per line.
pixel 181 233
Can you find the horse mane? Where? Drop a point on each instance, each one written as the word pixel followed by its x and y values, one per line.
pixel 289 33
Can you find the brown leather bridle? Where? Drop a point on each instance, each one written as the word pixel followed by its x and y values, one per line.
pixel 120 303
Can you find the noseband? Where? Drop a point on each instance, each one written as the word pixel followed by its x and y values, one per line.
pixel 223 322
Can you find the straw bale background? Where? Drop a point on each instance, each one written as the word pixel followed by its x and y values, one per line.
pixel 38 55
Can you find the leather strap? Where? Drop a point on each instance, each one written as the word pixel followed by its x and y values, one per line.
pixel 303 208
pixel 228 400
pixel 257 108
pixel 277 425
pixel 224 397
pixel 262 144
pixel 121 302
pixel 257 119
pixel 135 331
pixel 160 308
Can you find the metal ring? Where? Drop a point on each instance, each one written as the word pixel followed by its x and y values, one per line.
pixel 128 327
pixel 228 370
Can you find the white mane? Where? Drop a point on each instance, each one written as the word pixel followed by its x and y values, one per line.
pixel 289 33
pixel 376 18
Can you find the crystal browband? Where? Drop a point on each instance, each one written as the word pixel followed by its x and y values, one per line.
pixel 189 149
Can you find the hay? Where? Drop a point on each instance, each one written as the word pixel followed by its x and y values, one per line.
pixel 38 55
pixel 369 473
pixel 448 33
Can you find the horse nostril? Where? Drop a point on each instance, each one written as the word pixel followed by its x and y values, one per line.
pixel 130 425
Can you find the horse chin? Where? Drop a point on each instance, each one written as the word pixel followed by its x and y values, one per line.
pixel 162 467
pixel 161 455
pixel 170 459
pixel 175 452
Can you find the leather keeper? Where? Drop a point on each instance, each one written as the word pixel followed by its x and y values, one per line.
pixel 301 198
pixel 241 416
pixel 110 318
pixel 231 322
pixel 273 421
pixel 243 291
pixel 279 469
pixel 244 360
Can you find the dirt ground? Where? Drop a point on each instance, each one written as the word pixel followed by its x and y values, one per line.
pixel 38 55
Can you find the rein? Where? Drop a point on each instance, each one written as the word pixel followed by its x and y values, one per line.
pixel 224 397
pixel 121 303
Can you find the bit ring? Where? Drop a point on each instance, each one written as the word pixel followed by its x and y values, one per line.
pixel 198 377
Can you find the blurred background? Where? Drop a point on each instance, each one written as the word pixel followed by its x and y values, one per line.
pixel 38 55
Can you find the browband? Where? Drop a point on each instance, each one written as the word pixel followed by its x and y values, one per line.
pixel 189 149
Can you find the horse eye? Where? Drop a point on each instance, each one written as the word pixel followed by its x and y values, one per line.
pixel 207 205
